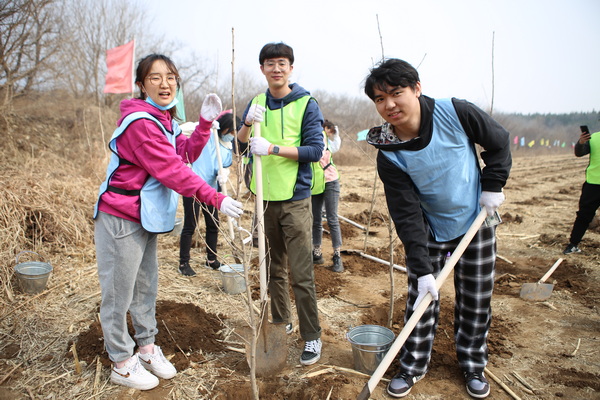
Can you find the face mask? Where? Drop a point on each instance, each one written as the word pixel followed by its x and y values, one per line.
pixel 227 138
pixel 162 108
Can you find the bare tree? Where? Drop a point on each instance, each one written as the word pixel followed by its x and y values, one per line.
pixel 28 40
pixel 94 27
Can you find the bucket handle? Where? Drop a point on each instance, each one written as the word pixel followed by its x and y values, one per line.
pixel 27 251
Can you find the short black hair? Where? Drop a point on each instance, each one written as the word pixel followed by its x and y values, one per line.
pixel 276 50
pixel 391 73
pixel 226 123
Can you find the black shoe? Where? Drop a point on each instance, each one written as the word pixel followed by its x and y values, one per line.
pixel 185 269
pixel 311 353
pixel 571 248
pixel 477 385
pixel 402 383
pixel 338 266
pixel 318 258
pixel 214 264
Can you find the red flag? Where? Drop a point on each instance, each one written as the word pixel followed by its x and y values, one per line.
pixel 119 75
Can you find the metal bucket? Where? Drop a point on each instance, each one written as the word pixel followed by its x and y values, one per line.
pixel 32 275
pixel 177 228
pixel 370 343
pixel 232 276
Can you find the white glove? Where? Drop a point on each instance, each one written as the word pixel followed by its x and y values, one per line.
pixel 491 201
pixel 231 207
pixel 336 131
pixel 222 176
pixel 255 114
pixel 426 285
pixel 211 107
pixel 215 125
pixel 259 146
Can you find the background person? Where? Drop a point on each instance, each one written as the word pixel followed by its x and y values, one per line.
pixel 326 194
pixel 135 203
pixel 291 139
pixel 589 201
pixel 207 167
pixel 434 190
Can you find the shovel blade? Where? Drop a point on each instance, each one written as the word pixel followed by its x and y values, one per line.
pixel 271 349
pixel 536 291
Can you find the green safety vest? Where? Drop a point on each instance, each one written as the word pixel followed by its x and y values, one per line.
pixel 592 172
pixel 282 127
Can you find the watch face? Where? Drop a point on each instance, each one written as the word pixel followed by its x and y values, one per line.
pixel 275 149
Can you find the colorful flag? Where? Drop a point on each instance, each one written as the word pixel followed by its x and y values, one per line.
pixel 522 144
pixel 531 144
pixel 119 74
pixel 516 140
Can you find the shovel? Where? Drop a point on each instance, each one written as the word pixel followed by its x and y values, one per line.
pixel 271 343
pixel 420 309
pixel 540 291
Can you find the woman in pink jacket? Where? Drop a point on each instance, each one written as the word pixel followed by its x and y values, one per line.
pixel 136 202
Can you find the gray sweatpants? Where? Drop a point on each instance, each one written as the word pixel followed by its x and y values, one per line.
pixel 128 273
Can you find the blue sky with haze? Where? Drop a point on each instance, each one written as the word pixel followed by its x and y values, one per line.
pixel 546 56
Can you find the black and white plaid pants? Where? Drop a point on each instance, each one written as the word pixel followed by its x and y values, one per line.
pixel 474 284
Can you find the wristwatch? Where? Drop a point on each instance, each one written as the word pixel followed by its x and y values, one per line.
pixel 275 149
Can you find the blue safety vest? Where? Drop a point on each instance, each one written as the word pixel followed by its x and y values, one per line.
pixel 158 203
pixel 445 173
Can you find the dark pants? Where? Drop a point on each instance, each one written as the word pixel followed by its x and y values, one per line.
pixel 288 232
pixel 588 204
pixel 191 211
pixel 473 284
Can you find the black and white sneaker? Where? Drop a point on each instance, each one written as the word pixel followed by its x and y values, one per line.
pixel 318 257
pixel 402 383
pixel 571 248
pixel 311 353
pixel 477 385
pixel 289 328
pixel 186 270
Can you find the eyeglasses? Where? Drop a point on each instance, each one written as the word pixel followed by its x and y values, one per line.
pixel 282 64
pixel 157 79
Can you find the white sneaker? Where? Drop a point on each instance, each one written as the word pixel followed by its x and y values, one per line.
pixel 158 364
pixel 133 375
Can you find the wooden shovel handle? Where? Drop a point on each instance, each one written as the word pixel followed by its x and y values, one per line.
pixel 260 220
pixel 421 307
pixel 550 271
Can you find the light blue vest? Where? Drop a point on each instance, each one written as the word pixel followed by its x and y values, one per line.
pixel 207 165
pixel 446 175
pixel 158 202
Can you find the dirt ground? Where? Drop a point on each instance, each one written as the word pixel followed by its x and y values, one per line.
pixel 552 345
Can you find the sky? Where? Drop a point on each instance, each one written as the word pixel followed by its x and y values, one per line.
pixel 543 53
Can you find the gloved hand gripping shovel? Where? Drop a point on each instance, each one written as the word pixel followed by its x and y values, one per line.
pixel 421 307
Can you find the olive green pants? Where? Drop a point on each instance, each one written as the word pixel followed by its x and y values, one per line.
pixel 288 230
